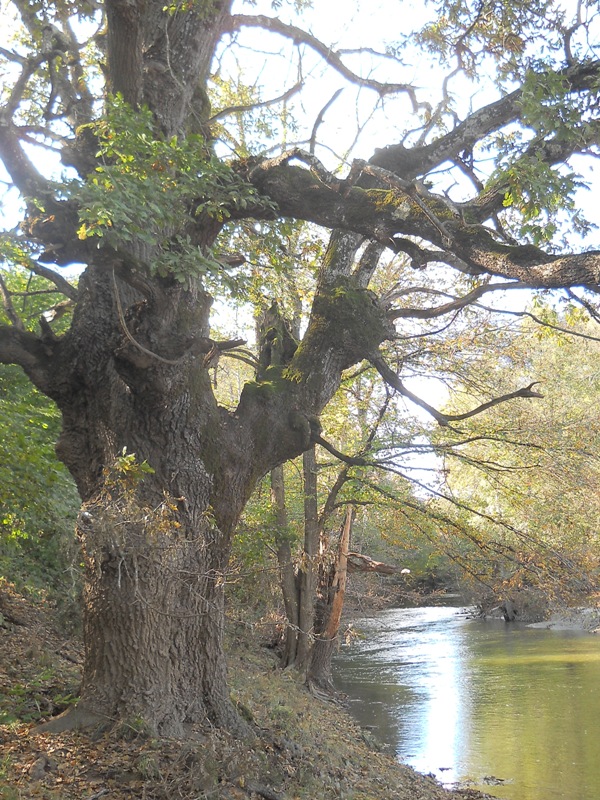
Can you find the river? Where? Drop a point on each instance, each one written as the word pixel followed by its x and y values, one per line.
pixel 511 710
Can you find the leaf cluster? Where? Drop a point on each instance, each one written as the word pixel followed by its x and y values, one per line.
pixel 148 189
pixel 537 189
pixel 38 499
pixel 497 30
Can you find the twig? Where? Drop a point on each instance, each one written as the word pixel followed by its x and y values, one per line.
pixel 263 791
pixel 319 120
pixel 225 112
pixel 98 794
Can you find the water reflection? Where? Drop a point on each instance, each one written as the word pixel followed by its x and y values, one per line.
pixel 468 700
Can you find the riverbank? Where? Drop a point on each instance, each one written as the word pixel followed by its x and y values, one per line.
pixel 301 748
pixel 572 619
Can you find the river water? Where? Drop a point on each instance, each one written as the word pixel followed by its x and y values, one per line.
pixel 510 710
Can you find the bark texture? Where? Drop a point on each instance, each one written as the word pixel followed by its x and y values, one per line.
pixel 153 619
pixel 330 604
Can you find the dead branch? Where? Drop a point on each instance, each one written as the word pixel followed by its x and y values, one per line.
pixel 319 120
pixel 357 562
pixel 388 374
pixel 454 305
pixel 240 109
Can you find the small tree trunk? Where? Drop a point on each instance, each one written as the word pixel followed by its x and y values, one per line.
pixel 331 604
pixel 509 612
pixel 306 575
pixel 287 576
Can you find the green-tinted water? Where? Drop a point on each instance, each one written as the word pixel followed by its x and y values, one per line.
pixel 469 700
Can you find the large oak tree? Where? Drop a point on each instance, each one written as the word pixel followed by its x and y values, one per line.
pixel 120 91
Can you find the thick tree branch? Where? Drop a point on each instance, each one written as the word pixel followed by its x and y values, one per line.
pixel 384 213
pixel 413 162
pixel 21 347
pixel 21 170
pixel 9 308
pixel 63 285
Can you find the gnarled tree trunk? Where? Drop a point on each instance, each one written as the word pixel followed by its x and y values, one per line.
pixel 155 544
pixel 130 377
pixel 153 618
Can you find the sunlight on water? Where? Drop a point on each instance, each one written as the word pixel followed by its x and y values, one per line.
pixel 512 710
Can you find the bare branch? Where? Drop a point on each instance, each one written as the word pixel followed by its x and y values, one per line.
pixel 10 55
pixel 63 285
pixel 353 461
pixel 319 120
pixel 592 311
pixel 357 562
pixel 390 377
pixel 543 323
pixel 25 176
pixel 225 112
pixel 331 57
pixel 21 347
pixel 454 305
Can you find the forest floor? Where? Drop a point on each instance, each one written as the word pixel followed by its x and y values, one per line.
pixel 302 747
